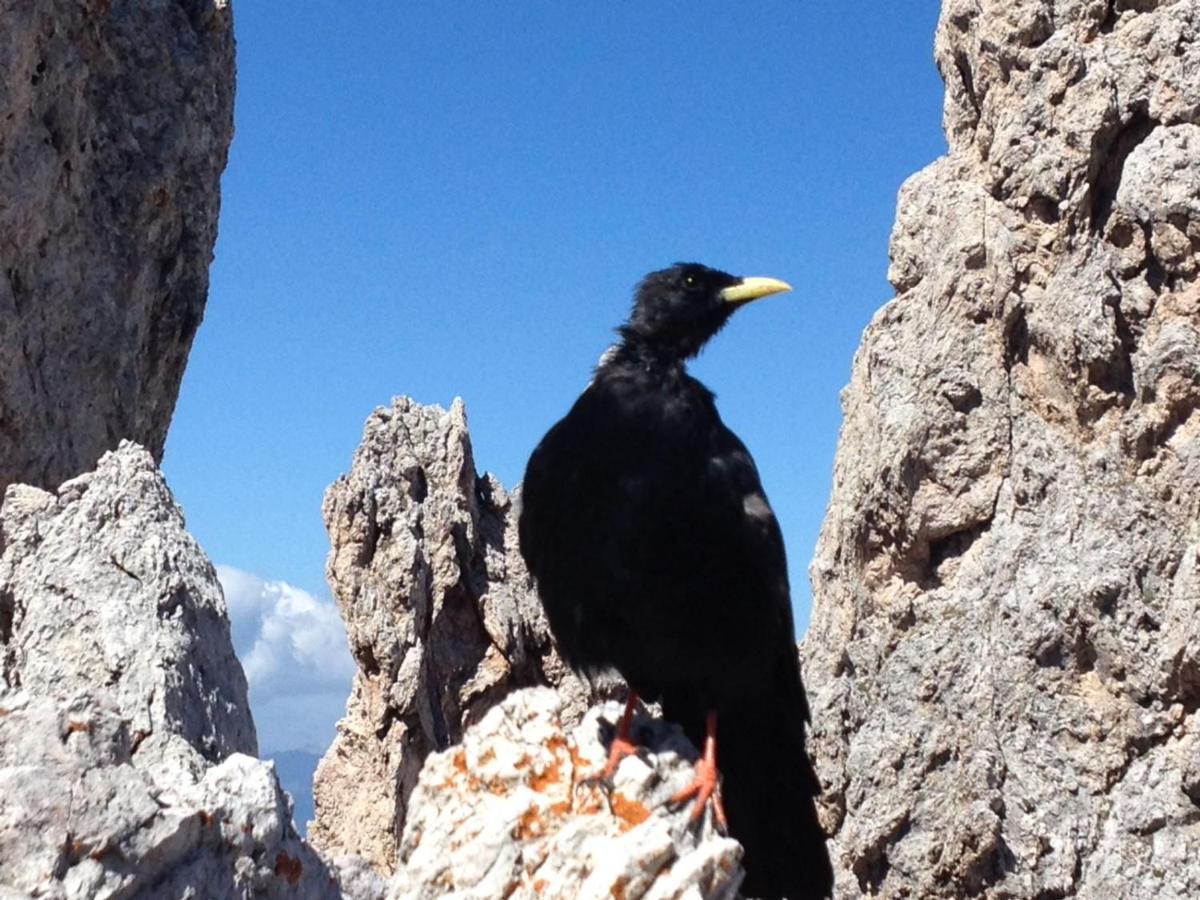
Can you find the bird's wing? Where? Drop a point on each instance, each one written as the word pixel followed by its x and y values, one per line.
pixel 734 484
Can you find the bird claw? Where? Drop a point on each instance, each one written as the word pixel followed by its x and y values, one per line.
pixel 619 749
pixel 705 786
pixel 596 782
pixel 604 780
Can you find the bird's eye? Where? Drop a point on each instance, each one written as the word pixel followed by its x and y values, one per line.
pixel 689 282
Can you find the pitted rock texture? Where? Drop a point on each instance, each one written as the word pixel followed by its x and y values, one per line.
pixel 102 586
pixel 115 119
pixel 511 813
pixel 1004 657
pixel 440 614
pixel 124 721
pixel 82 817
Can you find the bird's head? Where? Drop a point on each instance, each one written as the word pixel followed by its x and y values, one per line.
pixel 676 310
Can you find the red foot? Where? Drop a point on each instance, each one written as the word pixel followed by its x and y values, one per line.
pixel 620 749
pixel 706 782
pixel 622 742
pixel 704 787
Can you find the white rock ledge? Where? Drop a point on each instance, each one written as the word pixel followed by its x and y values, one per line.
pixel 510 813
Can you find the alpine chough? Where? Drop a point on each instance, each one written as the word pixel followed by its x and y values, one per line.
pixel 655 553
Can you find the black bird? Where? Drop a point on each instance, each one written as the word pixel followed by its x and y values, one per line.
pixel 655 552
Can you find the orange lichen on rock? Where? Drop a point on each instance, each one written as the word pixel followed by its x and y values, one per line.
pixel 459 761
pixel 552 774
pixel 561 808
pixel 577 760
pixel 558 825
pixel 530 825
pixel 497 787
pixel 631 812
pixel 548 777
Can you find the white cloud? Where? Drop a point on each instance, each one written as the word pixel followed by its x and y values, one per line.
pixel 293 648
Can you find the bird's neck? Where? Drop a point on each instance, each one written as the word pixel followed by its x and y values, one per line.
pixel 650 355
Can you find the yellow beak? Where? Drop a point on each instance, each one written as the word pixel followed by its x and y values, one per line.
pixel 753 288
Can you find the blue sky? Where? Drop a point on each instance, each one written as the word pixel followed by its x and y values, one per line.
pixel 449 200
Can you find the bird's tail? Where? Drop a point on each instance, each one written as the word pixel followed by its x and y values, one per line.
pixel 768 785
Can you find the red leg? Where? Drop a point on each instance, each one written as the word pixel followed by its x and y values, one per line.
pixel 622 742
pixel 706 782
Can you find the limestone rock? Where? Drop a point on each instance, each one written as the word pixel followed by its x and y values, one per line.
pixel 82 817
pixel 510 813
pixel 102 586
pixel 1003 660
pixel 440 614
pixel 124 720
pixel 117 115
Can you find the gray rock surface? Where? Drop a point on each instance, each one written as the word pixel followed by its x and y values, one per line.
pixel 1004 657
pixel 115 118
pixel 440 615
pixel 102 586
pixel 83 816
pixel 124 722
pixel 510 813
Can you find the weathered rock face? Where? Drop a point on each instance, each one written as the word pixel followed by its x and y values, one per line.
pixel 511 813
pixel 116 117
pixel 439 612
pixel 1004 658
pixel 82 817
pixel 101 585
pixel 123 712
